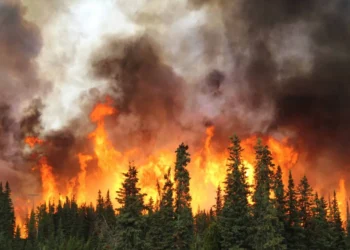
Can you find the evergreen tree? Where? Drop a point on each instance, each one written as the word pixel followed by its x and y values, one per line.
pixel 17 242
pixel 338 236
pixel 100 206
pixel 109 213
pixel 129 221
pixel 218 203
pixel 293 230
pixel 320 237
pixel 266 224
pixel 347 239
pixel 167 215
pixel 212 238
pixel 305 202
pixel 201 225
pixel 31 229
pixel 7 214
pixel 280 197
pixel 234 221
pixel 162 220
pixel 183 210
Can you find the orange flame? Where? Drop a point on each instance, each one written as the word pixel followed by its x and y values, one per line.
pixel 341 197
pixel 207 168
pixel 32 141
pixel 83 159
pixel 48 181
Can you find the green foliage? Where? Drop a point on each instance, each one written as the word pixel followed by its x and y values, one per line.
pixel 320 234
pixel 336 223
pixel 183 211
pixel 202 221
pixel 293 230
pixel 129 222
pixel 277 218
pixel 267 227
pixel 218 202
pixel 235 220
pixel 305 203
pixel 7 215
pixel 212 238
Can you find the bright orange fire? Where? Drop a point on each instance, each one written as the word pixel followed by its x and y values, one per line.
pixel 207 167
pixel 49 187
pixel 32 141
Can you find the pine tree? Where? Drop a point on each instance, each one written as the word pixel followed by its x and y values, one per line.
pixel 280 197
pixel 293 230
pixel 129 220
pixel 17 242
pixel 100 206
pixel 266 224
pixel 167 215
pixel 201 225
pixel 347 239
pixel 7 214
pixel 183 210
pixel 109 213
pixel 234 221
pixel 305 203
pixel 320 237
pixel 338 241
pixel 218 203
pixel 212 238
pixel 31 228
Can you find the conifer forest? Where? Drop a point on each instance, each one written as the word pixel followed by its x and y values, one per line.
pixel 267 215
pixel 174 124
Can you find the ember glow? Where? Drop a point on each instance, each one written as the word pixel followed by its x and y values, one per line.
pixel 188 71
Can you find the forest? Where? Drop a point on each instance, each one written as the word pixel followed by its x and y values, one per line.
pixel 269 215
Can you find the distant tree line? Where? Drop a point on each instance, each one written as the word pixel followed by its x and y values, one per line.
pixel 276 218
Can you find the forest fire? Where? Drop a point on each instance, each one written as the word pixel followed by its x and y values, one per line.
pixel 207 169
pixel 87 108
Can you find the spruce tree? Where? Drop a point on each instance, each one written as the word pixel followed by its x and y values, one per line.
pixel 218 201
pixel 320 237
pixel 7 214
pixel 17 242
pixel 129 221
pixel 31 229
pixel 266 226
pixel 167 215
pixel 293 230
pixel 109 213
pixel 100 211
pixel 234 221
pixel 183 210
pixel 280 197
pixel 160 235
pixel 201 225
pixel 305 203
pixel 212 238
pixel 338 236
pixel 347 238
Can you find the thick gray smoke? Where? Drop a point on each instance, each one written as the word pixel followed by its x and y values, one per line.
pixel 20 85
pixel 275 68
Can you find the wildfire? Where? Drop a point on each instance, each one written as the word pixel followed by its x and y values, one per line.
pixel 207 167
pixel 32 141
pixel 49 187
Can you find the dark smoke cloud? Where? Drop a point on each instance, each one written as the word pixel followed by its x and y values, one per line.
pixel 20 44
pixel 146 87
pixel 313 102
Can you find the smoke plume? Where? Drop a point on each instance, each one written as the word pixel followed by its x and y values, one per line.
pixel 174 68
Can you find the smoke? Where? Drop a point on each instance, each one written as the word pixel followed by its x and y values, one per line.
pixel 20 44
pixel 278 68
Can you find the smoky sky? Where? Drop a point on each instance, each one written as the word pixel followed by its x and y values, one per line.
pixel 288 61
pixel 315 102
